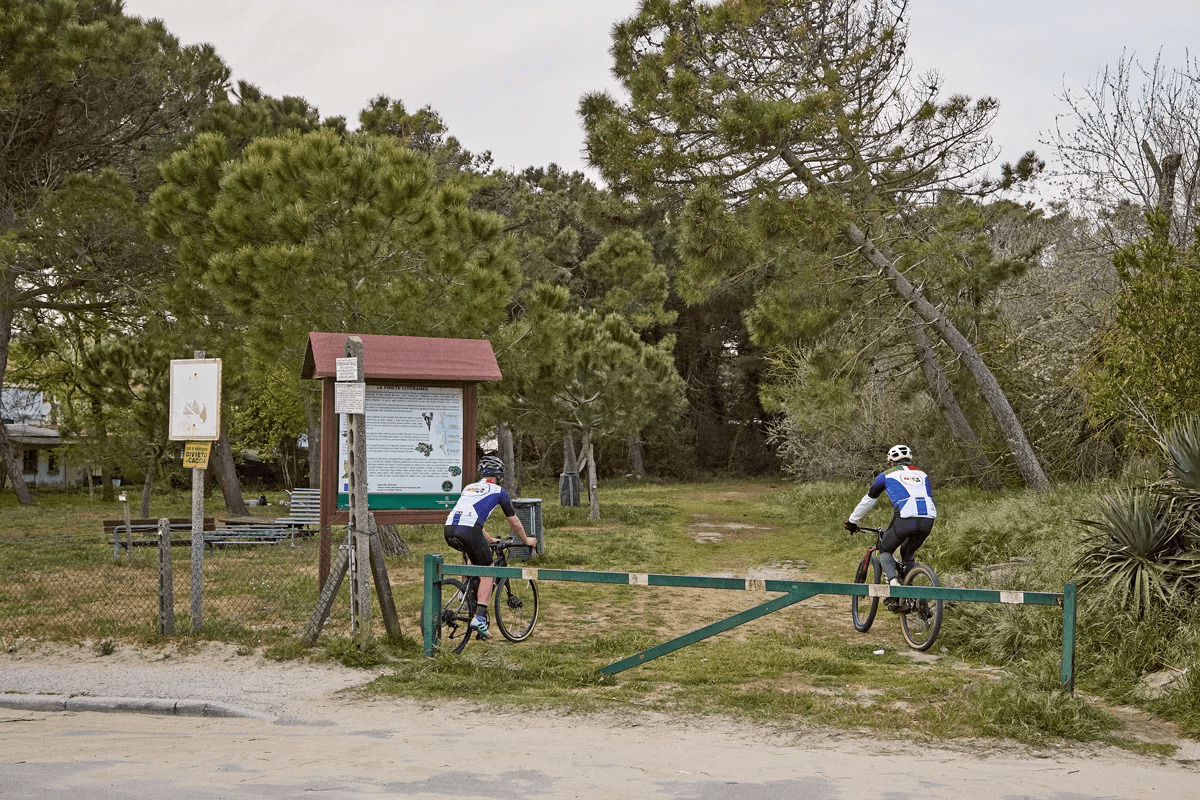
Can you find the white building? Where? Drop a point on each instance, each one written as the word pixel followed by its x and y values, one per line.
pixel 34 439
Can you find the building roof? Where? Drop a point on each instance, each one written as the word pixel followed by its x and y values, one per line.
pixel 411 358
pixel 36 435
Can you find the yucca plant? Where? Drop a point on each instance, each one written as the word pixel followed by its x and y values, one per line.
pixel 1138 552
pixel 1181 485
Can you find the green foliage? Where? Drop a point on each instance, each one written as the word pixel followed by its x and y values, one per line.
pixel 1137 553
pixel 769 158
pixel 1148 361
pixel 314 231
pixel 1146 547
pixel 627 281
pixel 1037 712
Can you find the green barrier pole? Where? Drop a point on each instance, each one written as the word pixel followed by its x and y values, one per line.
pixel 432 601
pixel 708 630
pixel 1068 653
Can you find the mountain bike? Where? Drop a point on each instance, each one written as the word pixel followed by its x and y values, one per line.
pixel 514 604
pixel 920 619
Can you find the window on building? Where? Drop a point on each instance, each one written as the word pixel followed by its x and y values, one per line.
pixel 52 463
pixel 29 462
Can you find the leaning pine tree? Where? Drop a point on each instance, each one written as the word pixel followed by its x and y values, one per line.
pixel 795 120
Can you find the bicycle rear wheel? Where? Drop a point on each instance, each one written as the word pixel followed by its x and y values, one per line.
pixel 516 608
pixel 920 620
pixel 454 630
pixel 863 609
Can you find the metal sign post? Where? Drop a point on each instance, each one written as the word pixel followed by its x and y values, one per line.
pixel 195 416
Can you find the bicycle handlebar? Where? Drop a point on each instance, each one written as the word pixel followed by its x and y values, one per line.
pixel 872 530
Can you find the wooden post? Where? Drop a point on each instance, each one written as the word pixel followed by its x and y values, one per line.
pixel 360 525
pixel 197 609
pixel 325 602
pixel 128 525
pixel 383 585
pixel 166 590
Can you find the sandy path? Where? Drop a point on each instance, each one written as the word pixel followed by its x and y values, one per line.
pixel 337 746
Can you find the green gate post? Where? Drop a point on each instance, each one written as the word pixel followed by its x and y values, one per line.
pixel 432 601
pixel 1068 653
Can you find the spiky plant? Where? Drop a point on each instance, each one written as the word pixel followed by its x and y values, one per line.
pixel 1181 485
pixel 1138 552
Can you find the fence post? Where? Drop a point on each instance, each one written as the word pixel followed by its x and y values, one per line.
pixel 431 600
pixel 166 591
pixel 128 525
pixel 1068 652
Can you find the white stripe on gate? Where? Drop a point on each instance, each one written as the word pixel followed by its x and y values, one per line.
pixel 639 579
pixel 879 590
pixel 756 585
pixel 1012 597
pixel 529 574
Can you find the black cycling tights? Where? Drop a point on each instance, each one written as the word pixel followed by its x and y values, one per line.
pixel 907 533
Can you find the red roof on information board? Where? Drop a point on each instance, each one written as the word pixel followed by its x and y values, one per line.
pixel 408 358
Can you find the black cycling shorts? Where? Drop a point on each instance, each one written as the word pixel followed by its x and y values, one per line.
pixel 469 539
pixel 906 533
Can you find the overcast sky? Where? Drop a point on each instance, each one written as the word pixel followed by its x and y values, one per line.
pixel 507 76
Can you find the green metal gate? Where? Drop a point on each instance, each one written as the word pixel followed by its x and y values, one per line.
pixel 791 592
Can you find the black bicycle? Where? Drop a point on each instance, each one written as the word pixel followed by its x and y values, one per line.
pixel 514 604
pixel 920 619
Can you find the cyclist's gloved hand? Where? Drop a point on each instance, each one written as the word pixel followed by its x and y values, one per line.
pixel 850 526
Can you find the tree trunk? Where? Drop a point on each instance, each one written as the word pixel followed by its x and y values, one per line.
pixel 504 441
pixel 148 485
pixel 225 472
pixel 964 351
pixel 106 484
pixel 570 460
pixel 312 421
pixel 7 290
pixel 637 464
pixel 943 395
pixel 1165 175
pixel 592 483
pixel 989 387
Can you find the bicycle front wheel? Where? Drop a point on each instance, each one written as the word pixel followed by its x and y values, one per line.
pixel 921 619
pixel 863 609
pixel 516 608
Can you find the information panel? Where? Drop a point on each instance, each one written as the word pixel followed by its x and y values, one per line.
pixel 414 447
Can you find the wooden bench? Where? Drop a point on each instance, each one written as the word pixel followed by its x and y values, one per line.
pixel 266 533
pixel 304 509
pixel 144 532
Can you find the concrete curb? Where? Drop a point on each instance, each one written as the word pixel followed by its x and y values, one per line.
pixel 130 705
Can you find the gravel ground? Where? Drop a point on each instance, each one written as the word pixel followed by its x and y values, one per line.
pixel 212 671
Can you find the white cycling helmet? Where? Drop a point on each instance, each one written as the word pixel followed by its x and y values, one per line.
pixel 900 452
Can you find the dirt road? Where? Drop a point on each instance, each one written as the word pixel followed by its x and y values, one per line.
pixel 327 743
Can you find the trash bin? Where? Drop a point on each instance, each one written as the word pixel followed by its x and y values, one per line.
pixel 529 511
pixel 568 489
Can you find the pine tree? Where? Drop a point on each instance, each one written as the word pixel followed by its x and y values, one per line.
pixel 82 87
pixel 797 121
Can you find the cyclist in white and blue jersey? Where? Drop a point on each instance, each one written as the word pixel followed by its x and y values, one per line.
pixel 464 528
pixel 908 490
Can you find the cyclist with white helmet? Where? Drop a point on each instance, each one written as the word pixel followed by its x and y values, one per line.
pixel 908 490
pixel 464 528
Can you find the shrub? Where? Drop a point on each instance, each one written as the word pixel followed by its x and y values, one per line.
pixel 1137 553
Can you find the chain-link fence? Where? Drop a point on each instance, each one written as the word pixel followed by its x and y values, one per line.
pixel 71 587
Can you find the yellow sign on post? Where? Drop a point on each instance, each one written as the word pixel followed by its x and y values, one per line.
pixel 195 455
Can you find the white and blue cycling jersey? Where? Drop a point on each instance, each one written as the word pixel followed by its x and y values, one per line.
pixel 477 502
pixel 908 489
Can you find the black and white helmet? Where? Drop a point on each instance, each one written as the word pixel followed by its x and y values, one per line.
pixel 491 466
pixel 900 452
